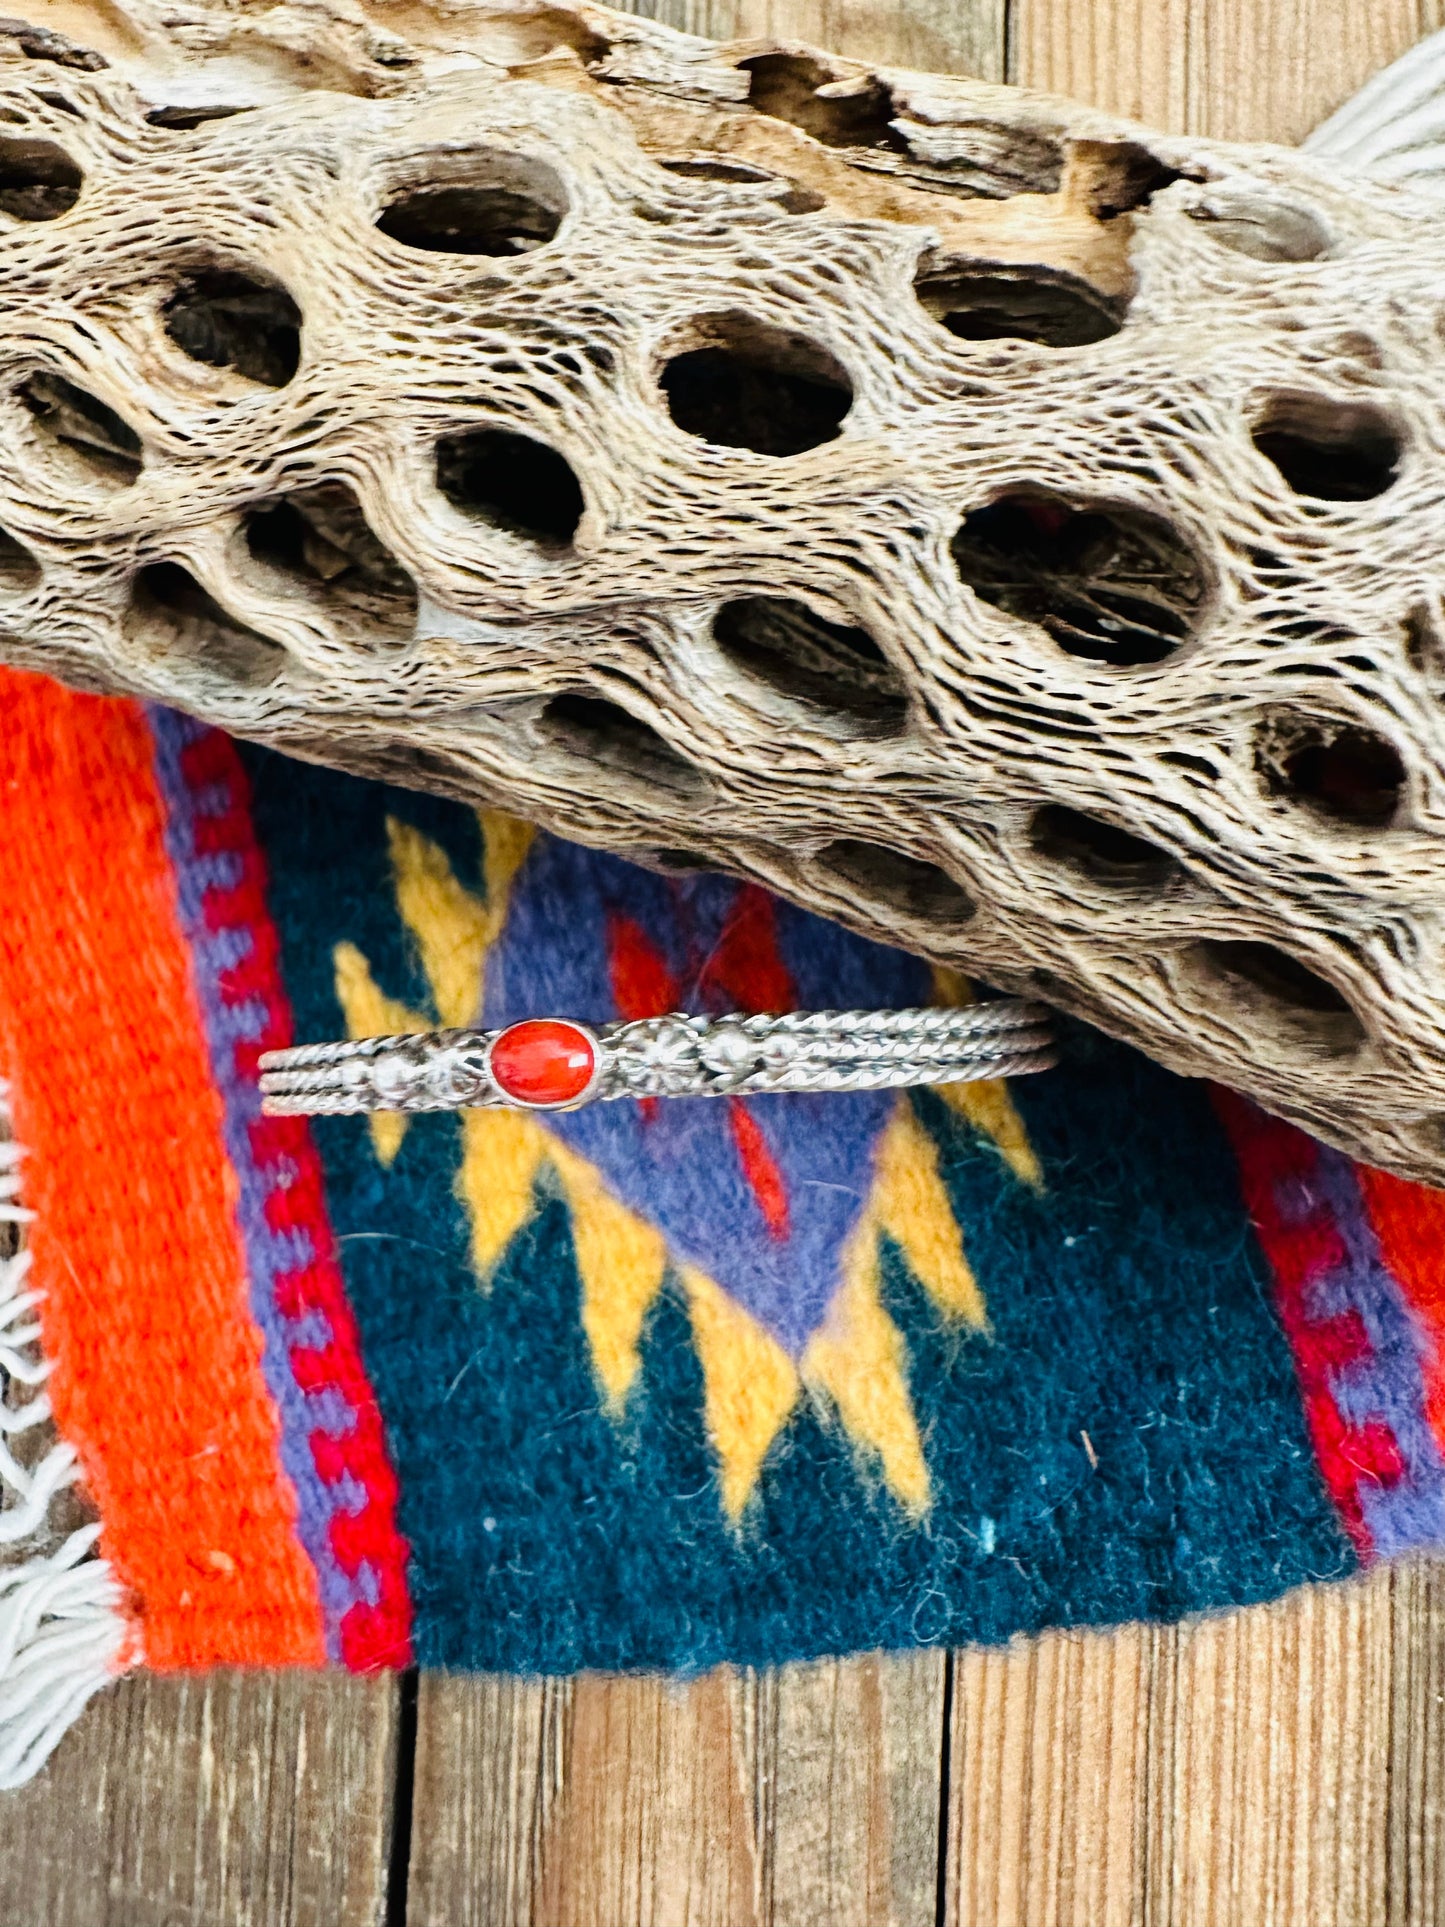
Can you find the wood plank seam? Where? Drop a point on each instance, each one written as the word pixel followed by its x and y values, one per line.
pixel 403 1800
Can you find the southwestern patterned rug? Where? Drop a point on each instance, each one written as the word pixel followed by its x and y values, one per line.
pixel 656 1386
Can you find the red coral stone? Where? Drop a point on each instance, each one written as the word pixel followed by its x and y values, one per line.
pixel 543 1061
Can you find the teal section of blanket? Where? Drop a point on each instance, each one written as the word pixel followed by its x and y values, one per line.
pixel 1125 1441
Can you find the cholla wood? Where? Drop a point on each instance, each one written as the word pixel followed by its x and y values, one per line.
pixel 1011 532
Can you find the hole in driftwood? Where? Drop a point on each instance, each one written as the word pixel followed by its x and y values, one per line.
pixel 38 180
pixel 796 199
pixel 19 571
pixel 484 203
pixel 1194 765
pixel 1353 344
pixel 706 167
pixel 82 427
pixel 1042 305
pixel 183 120
pixel 1424 638
pixel 612 737
pixel 683 863
pixel 1282 990
pixel 840 113
pixel 1343 771
pixel 172 615
pixel 512 481
pixel 748 385
pixel 905 883
pixel 786 644
pixel 521 39
pixel 1334 451
pixel 231 318
pixel 321 540
pixel 1099 850
pixel 1114 585
pixel 1122 177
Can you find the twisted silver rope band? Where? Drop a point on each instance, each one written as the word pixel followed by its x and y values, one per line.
pixel 672 1056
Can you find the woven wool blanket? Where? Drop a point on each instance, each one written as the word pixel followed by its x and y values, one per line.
pixel 654 1385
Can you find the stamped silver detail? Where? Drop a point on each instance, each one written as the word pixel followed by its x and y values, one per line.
pixel 675 1056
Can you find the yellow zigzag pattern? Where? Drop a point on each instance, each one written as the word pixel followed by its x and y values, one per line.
pixel 855 1366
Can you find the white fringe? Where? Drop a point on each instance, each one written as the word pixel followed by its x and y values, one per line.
pixel 62 1631
pixel 1394 127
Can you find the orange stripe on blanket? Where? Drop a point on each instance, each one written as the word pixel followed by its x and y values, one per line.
pixel 1409 1221
pixel 157 1378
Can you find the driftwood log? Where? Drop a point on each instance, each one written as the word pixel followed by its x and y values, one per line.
pixel 1011 532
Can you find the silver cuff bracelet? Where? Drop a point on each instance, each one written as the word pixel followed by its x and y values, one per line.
pixel 553 1063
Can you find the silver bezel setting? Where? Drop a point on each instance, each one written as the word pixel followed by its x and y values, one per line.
pixel 584 1096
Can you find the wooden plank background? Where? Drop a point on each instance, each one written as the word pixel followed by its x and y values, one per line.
pixel 1284 1765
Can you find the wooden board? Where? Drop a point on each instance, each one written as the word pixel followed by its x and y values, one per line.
pixel 1280 1765
pixel 237 1800
pixel 809 1794
pixel 1235 69
pixel 1234 1770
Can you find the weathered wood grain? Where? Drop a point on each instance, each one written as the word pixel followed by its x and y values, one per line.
pixel 1232 69
pixel 1235 1770
pixel 488 1766
pixel 234 1800
pixel 1046 1772
pixel 940 36
pixel 1268 1763
pixel 1415 1789
pixel 793 1798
